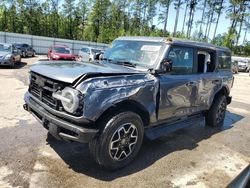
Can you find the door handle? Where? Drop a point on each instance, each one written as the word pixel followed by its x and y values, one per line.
pixel 191 83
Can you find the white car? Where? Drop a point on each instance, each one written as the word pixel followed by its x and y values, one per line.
pixel 243 66
pixel 89 53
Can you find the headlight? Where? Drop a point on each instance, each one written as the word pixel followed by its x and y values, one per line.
pixel 29 79
pixel 7 56
pixel 69 98
pixel 55 56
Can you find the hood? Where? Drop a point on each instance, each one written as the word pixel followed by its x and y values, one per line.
pixel 70 71
pixel 4 53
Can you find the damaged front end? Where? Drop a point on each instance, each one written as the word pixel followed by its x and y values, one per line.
pixel 69 110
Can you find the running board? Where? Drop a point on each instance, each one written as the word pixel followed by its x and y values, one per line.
pixel 164 129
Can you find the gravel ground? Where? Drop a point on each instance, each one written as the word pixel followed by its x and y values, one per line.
pixel 193 157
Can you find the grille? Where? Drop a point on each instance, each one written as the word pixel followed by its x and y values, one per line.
pixel 42 88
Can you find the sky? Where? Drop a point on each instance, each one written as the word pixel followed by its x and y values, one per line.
pixel 223 25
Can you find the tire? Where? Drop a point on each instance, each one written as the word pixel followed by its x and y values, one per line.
pixel 119 142
pixel 216 114
pixel 20 60
pixel 34 54
pixel 13 64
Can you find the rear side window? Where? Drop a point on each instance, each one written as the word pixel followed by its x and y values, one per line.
pixel 224 60
pixel 182 60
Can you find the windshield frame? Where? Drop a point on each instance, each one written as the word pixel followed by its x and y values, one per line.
pixel 161 54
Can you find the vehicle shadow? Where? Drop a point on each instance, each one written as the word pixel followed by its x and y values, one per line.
pixel 18 65
pixel 77 155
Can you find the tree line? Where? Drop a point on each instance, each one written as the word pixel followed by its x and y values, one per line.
pixel 105 20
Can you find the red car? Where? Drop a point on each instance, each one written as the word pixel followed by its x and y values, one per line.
pixel 60 52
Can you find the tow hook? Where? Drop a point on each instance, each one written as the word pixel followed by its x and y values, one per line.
pixel 25 107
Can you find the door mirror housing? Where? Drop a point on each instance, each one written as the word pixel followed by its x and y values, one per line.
pixel 165 66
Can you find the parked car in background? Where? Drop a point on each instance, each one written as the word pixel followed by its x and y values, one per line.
pixel 9 55
pixel 25 49
pixel 60 52
pixel 235 67
pixel 242 66
pixel 89 53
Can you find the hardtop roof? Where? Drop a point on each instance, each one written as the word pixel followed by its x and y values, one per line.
pixel 176 41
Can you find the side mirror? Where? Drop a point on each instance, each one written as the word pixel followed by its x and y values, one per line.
pixel 166 65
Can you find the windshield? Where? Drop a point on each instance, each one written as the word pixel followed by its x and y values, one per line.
pixel 5 48
pixel 95 51
pixel 61 50
pixel 142 53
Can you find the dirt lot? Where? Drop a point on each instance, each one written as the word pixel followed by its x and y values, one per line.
pixel 194 157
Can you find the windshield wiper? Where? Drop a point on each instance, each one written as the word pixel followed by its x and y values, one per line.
pixel 121 62
pixel 126 63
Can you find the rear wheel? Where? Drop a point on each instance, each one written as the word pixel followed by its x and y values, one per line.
pixel 216 114
pixel 33 54
pixel 119 142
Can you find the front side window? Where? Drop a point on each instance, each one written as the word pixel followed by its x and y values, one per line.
pixel 224 59
pixel 181 59
pixel 142 53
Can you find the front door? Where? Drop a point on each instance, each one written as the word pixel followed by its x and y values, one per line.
pixel 179 87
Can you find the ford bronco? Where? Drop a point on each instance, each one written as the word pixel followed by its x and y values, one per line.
pixel 143 87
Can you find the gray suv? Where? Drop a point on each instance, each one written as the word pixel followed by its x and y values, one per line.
pixel 143 87
pixel 9 55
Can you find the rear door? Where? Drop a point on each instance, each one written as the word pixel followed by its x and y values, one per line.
pixel 179 87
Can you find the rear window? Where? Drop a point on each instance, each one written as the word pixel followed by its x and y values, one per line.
pixel 224 60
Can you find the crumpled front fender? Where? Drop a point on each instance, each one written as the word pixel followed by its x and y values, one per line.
pixel 101 93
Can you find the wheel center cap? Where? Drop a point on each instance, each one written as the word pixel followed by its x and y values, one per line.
pixel 123 141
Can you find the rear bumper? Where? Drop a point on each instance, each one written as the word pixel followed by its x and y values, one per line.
pixel 58 127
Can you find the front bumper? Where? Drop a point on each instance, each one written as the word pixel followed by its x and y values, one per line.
pixel 242 68
pixel 6 62
pixel 58 127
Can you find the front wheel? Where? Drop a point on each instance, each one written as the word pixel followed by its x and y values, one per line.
pixel 119 142
pixel 12 64
pixel 216 114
